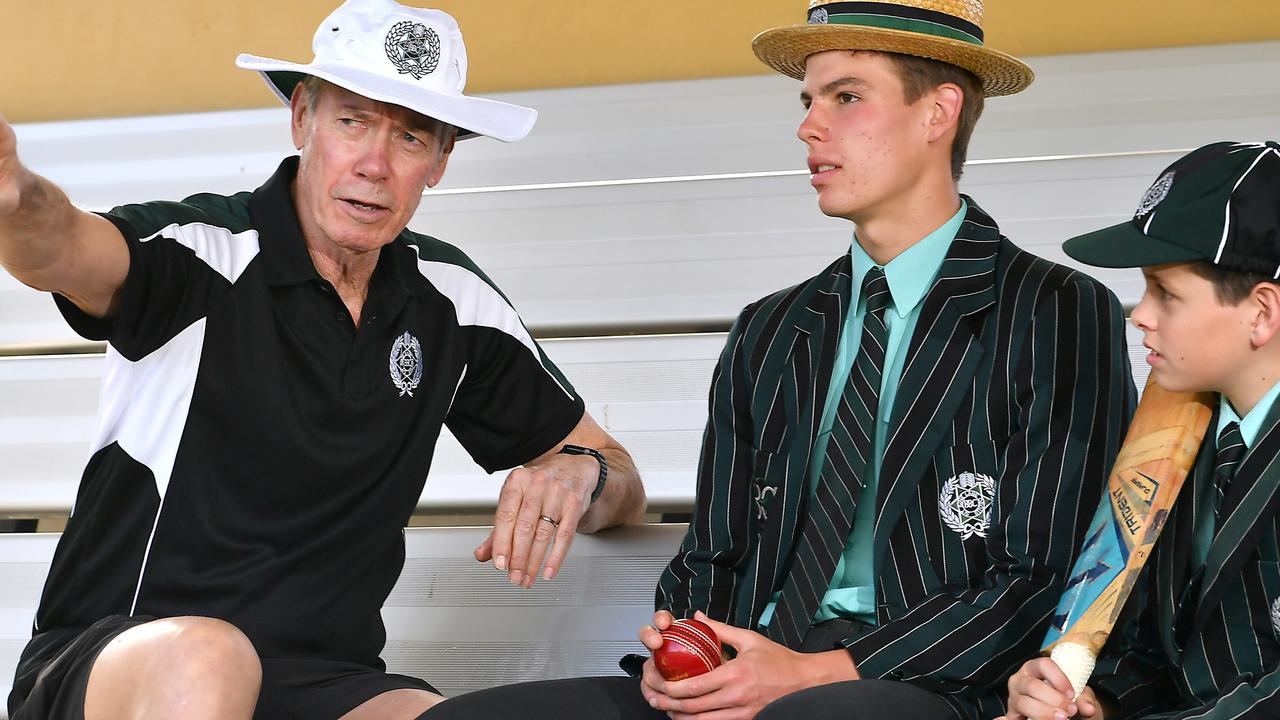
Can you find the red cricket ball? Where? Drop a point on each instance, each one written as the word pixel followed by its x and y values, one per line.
pixel 689 648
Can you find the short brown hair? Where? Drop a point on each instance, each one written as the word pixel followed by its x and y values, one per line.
pixel 1230 287
pixel 920 75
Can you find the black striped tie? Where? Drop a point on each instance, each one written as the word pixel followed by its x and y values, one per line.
pixel 830 512
pixel 1230 449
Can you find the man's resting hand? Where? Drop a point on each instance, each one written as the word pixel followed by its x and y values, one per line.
pixel 545 502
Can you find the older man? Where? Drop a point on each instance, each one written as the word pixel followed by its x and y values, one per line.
pixel 280 366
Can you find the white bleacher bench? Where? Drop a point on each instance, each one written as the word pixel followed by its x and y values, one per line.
pixel 450 620
pixel 649 392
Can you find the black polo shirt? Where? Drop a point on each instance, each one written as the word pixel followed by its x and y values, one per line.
pixel 257 455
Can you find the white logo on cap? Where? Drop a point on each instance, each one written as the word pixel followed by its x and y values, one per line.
pixel 818 17
pixel 965 504
pixel 413 48
pixel 406 364
pixel 1155 195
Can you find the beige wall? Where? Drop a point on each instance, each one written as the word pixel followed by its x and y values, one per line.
pixel 62 59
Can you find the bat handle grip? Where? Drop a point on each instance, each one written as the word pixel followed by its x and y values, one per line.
pixel 1076 662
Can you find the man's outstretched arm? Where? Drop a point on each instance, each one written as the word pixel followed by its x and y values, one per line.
pixel 49 244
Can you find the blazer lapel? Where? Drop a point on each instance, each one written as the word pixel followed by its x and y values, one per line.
pixel 817 338
pixel 804 345
pixel 942 357
pixel 818 324
pixel 1253 498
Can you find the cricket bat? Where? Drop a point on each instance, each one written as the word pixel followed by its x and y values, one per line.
pixel 1155 458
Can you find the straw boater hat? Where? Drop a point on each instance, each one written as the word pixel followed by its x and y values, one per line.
pixel 946 30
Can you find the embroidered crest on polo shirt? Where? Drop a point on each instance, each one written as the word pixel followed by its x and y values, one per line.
pixel 965 504
pixel 819 16
pixel 406 364
pixel 1155 195
pixel 413 48
pixel 1275 616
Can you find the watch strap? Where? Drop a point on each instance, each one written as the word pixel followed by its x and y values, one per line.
pixel 604 465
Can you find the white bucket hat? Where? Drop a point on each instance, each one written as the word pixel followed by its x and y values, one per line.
pixel 412 57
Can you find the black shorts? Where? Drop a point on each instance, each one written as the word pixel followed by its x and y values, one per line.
pixel 53 674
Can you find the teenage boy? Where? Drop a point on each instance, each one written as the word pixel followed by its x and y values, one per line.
pixel 903 451
pixel 1199 635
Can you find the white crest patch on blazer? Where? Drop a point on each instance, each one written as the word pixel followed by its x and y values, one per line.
pixel 965 503
pixel 1275 616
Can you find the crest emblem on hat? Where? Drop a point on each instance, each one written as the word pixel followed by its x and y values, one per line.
pixel 1155 195
pixel 413 48
pixel 1275 616
pixel 406 364
pixel 818 16
pixel 965 504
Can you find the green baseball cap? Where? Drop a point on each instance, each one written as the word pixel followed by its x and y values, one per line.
pixel 1220 203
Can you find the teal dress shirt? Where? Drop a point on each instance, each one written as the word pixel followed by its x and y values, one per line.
pixel 852 591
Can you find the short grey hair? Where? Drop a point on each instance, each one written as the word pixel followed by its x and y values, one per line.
pixel 312 86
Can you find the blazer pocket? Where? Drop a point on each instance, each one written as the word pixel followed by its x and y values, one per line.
pixel 959 511
pixel 964 493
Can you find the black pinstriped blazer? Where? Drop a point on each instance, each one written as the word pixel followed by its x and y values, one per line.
pixel 1016 371
pixel 1201 641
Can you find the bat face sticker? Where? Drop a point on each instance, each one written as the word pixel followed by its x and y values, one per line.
pixel 1154 460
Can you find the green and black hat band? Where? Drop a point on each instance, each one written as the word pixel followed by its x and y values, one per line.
pixel 896 17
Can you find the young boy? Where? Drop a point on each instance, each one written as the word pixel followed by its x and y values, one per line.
pixel 1199 635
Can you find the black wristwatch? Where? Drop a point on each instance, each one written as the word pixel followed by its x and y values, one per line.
pixel 604 466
